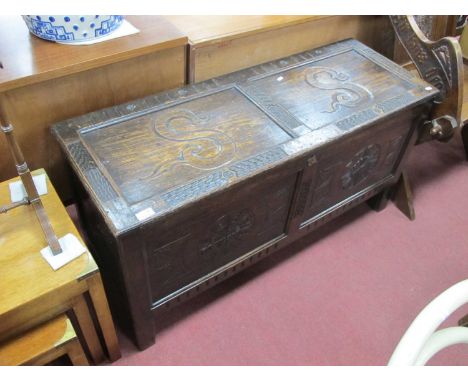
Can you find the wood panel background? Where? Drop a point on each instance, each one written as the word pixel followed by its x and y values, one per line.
pixel 224 44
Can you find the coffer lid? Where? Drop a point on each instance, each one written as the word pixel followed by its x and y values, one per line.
pixel 149 157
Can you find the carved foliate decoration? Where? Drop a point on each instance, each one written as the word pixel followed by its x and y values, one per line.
pixel 361 166
pixel 443 55
pixel 339 176
pixel 216 179
pixel 439 63
pixel 227 230
pixel 426 24
pixel 348 94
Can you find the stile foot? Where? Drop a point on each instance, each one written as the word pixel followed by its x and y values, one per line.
pixel 403 197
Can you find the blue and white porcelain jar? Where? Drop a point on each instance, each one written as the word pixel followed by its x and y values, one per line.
pixel 73 28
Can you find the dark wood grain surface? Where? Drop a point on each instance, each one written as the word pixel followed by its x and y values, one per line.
pixel 192 185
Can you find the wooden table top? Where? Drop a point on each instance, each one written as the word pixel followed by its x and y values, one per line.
pixel 205 30
pixel 35 342
pixel 24 274
pixel 27 59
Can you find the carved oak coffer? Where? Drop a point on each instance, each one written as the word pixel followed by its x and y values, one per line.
pixel 182 189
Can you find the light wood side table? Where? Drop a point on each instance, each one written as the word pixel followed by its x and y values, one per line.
pixel 44 344
pixel 31 293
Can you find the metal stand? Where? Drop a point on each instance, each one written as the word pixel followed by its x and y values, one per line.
pixel 31 192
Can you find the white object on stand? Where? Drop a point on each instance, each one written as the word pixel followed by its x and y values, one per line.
pixel 18 192
pixel 71 249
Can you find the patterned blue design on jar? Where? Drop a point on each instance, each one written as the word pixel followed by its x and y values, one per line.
pixel 49 32
pixel 69 28
pixel 108 25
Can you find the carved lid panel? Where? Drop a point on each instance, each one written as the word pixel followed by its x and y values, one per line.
pixel 173 146
pixel 326 91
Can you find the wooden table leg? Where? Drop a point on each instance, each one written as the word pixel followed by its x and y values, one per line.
pixel 98 297
pixel 80 308
pixel 76 354
pixel 464 134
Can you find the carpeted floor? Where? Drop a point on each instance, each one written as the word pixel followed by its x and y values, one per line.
pixel 343 295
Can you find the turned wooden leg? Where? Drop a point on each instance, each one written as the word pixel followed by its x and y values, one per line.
pixel 403 196
pixel 80 308
pixel 464 134
pixel 101 307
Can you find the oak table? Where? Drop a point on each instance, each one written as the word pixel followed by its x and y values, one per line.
pixel 222 44
pixel 42 82
pixel 31 293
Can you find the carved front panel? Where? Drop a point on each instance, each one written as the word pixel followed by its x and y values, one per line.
pixel 188 247
pixel 352 165
pixel 175 146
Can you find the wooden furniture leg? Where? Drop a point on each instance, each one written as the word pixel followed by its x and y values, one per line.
pixel 379 202
pixel 76 354
pixel 98 297
pixel 400 193
pixel 464 134
pixel 80 308
pixel 403 196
